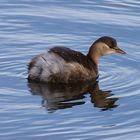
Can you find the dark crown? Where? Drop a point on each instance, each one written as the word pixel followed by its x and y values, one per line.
pixel 111 42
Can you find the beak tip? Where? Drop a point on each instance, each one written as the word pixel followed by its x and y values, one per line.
pixel 123 52
pixel 120 51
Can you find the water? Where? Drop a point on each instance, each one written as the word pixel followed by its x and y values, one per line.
pixel 28 28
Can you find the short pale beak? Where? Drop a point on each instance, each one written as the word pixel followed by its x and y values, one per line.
pixel 118 50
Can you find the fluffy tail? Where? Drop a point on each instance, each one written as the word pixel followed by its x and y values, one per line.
pixel 45 66
pixel 35 69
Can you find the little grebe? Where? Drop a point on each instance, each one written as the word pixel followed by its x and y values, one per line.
pixel 64 65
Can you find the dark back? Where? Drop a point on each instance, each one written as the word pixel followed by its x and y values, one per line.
pixel 70 55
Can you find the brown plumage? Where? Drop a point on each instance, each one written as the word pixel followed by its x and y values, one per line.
pixel 64 65
pixel 70 55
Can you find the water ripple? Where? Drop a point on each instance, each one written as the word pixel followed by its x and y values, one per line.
pixel 28 28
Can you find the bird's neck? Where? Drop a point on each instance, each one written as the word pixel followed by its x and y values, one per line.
pixel 95 52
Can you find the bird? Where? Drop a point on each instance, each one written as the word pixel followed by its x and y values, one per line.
pixel 64 65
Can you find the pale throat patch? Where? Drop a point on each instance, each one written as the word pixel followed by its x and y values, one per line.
pixel 105 49
pixel 102 49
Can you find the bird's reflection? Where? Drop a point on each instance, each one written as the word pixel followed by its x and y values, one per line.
pixel 61 96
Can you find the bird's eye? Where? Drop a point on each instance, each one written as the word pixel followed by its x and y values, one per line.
pixel 111 47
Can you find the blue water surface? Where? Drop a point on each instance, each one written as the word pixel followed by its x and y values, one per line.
pixel 30 27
